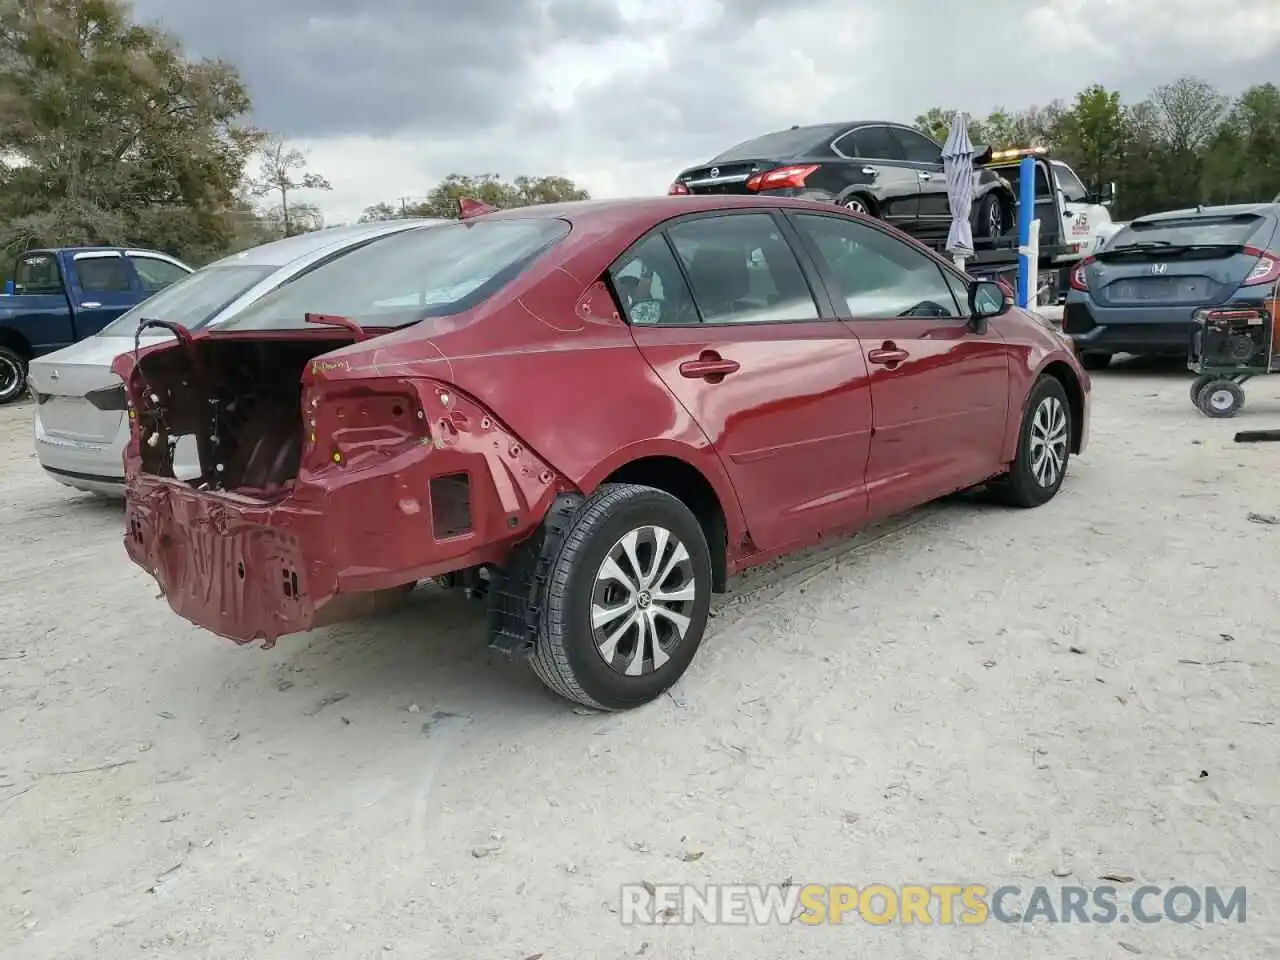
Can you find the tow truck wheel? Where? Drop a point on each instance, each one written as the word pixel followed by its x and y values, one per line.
pixel 13 375
pixel 626 599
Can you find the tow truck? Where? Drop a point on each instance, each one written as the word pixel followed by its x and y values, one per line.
pixel 1074 223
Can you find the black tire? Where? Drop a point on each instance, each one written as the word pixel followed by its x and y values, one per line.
pixel 1198 384
pixel 566 657
pixel 1024 486
pixel 13 375
pixel 1095 359
pixel 1220 399
pixel 991 218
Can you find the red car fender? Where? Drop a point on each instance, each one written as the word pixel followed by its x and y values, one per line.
pixel 702 459
pixel 1030 357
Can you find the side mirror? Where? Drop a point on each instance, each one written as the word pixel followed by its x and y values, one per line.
pixel 8 288
pixel 1106 196
pixel 988 299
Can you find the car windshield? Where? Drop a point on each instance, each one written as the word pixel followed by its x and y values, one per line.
pixel 780 145
pixel 193 301
pixel 1216 231
pixel 400 279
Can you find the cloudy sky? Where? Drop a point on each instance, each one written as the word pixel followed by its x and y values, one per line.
pixel 388 96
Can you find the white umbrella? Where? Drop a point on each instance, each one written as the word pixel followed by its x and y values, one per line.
pixel 957 164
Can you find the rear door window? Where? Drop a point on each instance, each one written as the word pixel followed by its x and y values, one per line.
pixel 109 274
pixel 742 270
pixel 650 286
pixel 873 143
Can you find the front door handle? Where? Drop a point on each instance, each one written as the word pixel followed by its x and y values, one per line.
pixel 871 171
pixel 924 176
pixel 889 354
pixel 709 366
pixel 93 305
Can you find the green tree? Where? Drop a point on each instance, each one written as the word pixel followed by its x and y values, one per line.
pixel 1246 152
pixel 1185 117
pixel 936 123
pixel 109 133
pixel 282 172
pixel 442 200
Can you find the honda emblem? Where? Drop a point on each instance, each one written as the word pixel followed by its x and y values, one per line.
pixel 715 171
pixel 1159 268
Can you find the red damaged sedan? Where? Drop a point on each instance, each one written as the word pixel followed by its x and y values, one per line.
pixel 590 414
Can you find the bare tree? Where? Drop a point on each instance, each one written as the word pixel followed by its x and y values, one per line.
pixel 1188 112
pixel 282 171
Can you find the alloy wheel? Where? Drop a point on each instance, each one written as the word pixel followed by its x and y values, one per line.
pixel 995 221
pixel 856 205
pixel 1048 442
pixel 642 600
pixel 10 377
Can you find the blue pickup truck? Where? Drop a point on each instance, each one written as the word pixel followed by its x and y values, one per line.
pixel 58 297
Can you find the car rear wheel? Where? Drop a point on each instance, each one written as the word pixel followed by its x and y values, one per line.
pixel 1095 360
pixel 857 205
pixel 626 599
pixel 13 375
pixel 1044 448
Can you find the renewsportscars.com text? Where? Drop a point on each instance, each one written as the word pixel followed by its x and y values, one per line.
pixel 941 904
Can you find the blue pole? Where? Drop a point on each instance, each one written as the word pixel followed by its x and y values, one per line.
pixel 1026 213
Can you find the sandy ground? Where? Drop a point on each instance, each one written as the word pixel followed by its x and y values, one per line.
pixel 967 695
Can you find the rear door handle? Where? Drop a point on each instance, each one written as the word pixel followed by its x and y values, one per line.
pixel 888 355
pixel 708 366
pixel 924 176
pixel 871 171
pixel 94 305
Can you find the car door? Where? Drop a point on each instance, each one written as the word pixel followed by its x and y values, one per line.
pixel 894 186
pixel 102 286
pixel 726 315
pixel 925 157
pixel 939 388
pixel 43 305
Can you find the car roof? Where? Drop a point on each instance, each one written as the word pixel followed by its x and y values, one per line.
pixel 625 210
pixel 1226 210
pixel 88 248
pixel 280 253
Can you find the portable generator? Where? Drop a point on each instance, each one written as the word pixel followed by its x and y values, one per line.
pixel 1229 345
